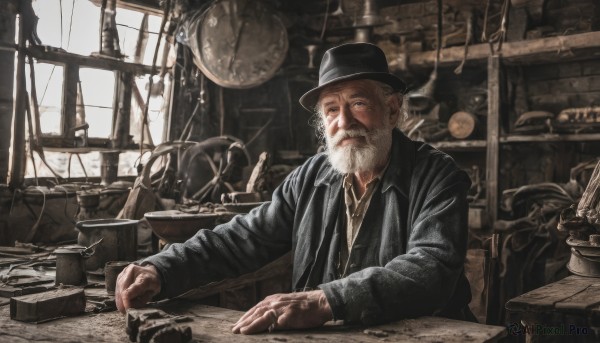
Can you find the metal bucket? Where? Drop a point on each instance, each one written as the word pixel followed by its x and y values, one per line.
pixel 119 240
pixel 70 266
pixel 112 269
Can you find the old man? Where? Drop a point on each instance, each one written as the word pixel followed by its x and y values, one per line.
pixel 377 224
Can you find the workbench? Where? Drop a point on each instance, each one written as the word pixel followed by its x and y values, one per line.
pixel 213 324
pixel 564 311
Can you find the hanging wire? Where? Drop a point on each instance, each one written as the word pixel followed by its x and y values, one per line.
pixel 61 22
pixel 70 24
pixel 61 188
pixel 30 131
pixel 325 20
pixel 82 167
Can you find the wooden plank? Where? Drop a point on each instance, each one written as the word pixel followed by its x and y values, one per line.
pixel 69 102
pixel 544 298
pixel 548 137
pixel 11 291
pixel 212 324
pixel 527 51
pixel 460 145
pixel 493 136
pixel 47 305
pixel 581 301
pixel 106 63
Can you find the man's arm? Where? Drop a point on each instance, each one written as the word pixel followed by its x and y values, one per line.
pixel 243 245
pixel 422 280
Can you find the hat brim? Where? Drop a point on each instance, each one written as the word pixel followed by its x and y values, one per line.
pixel 310 98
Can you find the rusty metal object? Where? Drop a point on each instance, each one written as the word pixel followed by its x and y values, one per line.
pixel 112 269
pixel 70 266
pixel 237 43
pixel 175 226
pixel 585 257
pixel 173 334
pixel 146 325
pixel 119 240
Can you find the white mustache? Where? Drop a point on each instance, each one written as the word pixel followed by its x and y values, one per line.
pixel 344 134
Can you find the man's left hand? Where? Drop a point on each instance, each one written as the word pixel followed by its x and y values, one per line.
pixel 286 311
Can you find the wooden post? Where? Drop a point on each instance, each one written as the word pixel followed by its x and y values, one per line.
pixel 173 120
pixel 17 160
pixel 122 110
pixel 8 13
pixel 493 137
pixel 69 103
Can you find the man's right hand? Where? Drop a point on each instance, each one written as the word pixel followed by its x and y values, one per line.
pixel 136 285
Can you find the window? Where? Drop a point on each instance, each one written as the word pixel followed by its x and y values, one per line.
pixel 72 27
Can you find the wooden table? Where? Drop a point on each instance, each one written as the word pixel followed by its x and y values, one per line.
pixel 566 310
pixel 213 324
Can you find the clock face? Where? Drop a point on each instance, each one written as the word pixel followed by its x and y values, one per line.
pixel 240 43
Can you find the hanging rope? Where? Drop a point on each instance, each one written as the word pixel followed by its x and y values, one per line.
pixel 144 122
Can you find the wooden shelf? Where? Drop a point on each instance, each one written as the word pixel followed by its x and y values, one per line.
pixel 99 62
pixel 542 50
pixel 551 137
pixel 460 145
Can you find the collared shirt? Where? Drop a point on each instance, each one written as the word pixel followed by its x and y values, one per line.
pixel 356 208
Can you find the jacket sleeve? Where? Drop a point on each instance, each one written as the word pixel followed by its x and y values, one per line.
pixel 240 246
pixel 421 281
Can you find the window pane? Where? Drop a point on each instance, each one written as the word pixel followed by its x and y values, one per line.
pixel 128 25
pixel 98 87
pixel 49 89
pixel 59 162
pixel 79 32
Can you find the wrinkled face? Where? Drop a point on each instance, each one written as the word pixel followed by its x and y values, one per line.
pixel 358 120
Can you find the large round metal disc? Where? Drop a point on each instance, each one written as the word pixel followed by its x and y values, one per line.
pixel 240 43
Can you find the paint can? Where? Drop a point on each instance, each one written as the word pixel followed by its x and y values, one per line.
pixel 70 266
pixel 112 269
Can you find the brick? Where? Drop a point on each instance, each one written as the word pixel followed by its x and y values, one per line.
pixel 569 70
pixel 594 84
pixel 545 72
pixel 538 88
pixel 590 68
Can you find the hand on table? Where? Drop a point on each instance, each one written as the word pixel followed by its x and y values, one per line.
pixel 286 311
pixel 136 285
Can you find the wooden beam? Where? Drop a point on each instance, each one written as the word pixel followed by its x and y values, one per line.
pixel 543 50
pixel 122 110
pixel 98 62
pixel 69 103
pixel 551 137
pixel 493 136
pixel 8 13
pixel 18 158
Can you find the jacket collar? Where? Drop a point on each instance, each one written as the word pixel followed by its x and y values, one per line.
pixel 398 173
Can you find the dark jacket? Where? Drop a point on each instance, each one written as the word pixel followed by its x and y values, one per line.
pixel 407 259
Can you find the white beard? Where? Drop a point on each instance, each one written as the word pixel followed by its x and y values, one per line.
pixel 362 157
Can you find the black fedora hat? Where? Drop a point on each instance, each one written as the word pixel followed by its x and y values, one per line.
pixel 351 61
